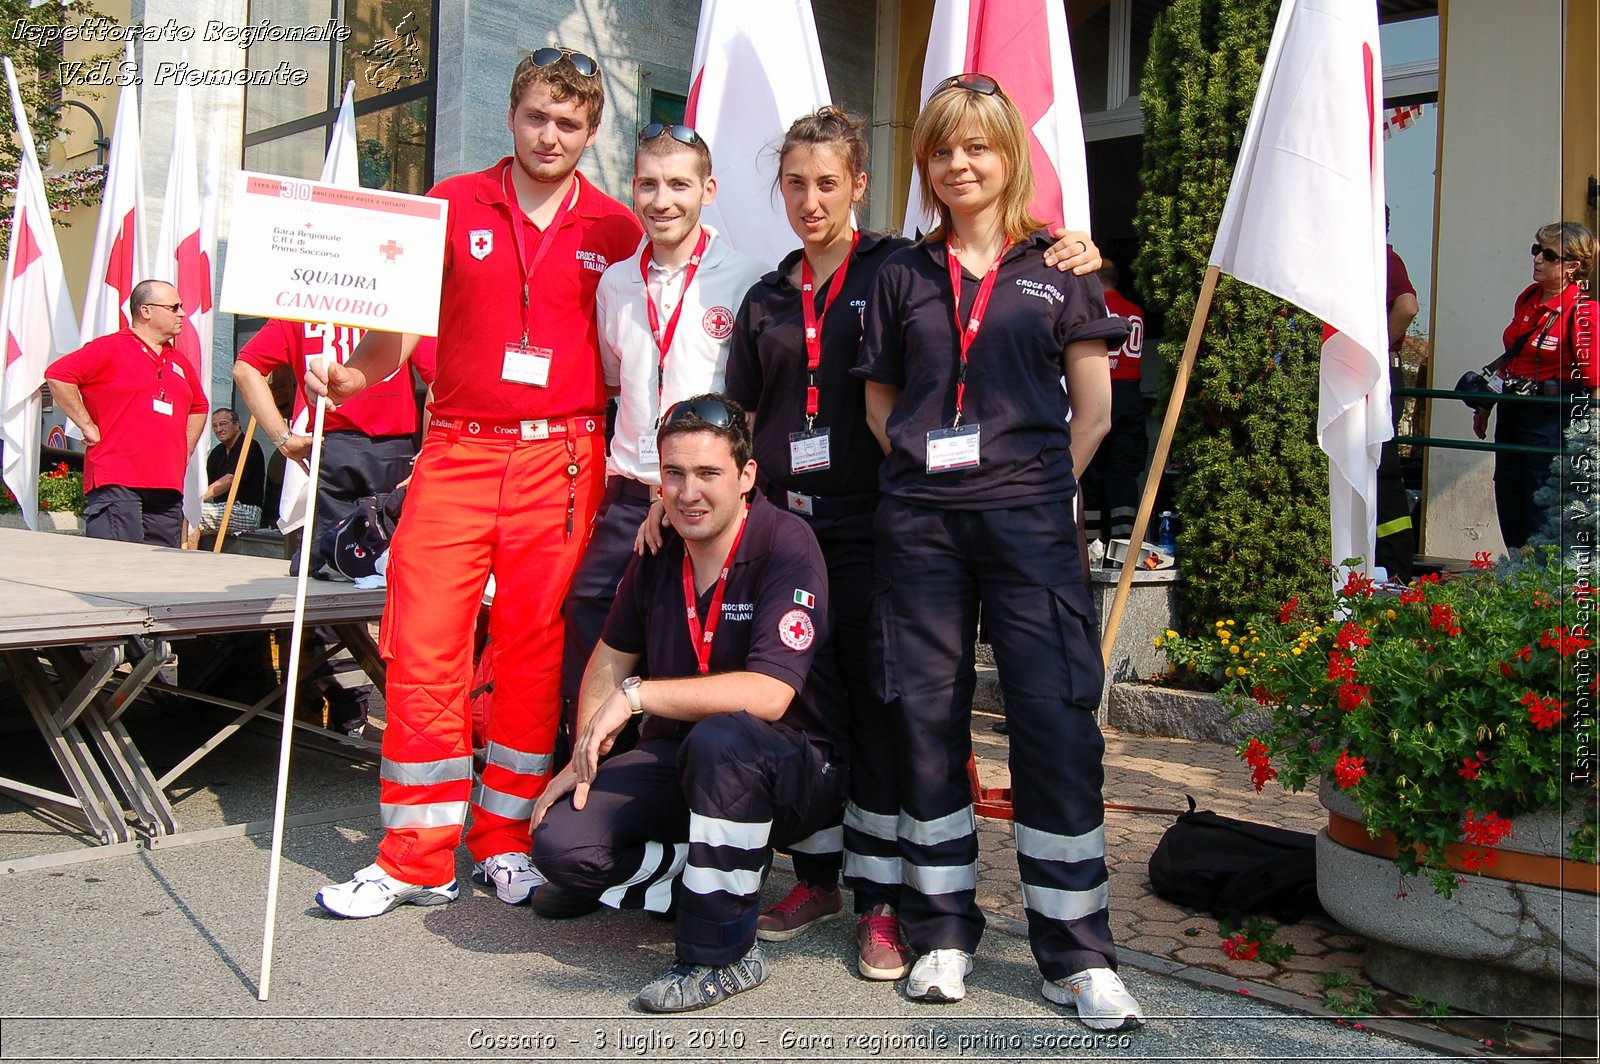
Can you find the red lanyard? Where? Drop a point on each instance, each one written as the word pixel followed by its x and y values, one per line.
pixel 969 331
pixel 808 308
pixel 702 640
pixel 663 337
pixel 517 214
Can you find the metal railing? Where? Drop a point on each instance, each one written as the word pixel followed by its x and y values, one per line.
pixel 1480 445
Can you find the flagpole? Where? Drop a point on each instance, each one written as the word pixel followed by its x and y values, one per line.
pixel 291 685
pixel 1158 464
pixel 233 488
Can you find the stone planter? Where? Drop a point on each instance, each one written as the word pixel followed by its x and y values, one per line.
pixel 1499 947
pixel 1146 709
pixel 65 522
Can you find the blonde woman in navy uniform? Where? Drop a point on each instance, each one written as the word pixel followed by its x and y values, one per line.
pixel 967 338
pixel 791 365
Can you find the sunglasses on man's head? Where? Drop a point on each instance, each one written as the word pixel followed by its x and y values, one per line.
pixel 980 83
pixel 585 66
pixel 680 133
pixel 713 412
pixel 1539 251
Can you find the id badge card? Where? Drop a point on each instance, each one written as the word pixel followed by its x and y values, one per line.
pixel 526 365
pixel 951 449
pixel 648 455
pixel 808 451
pixel 161 406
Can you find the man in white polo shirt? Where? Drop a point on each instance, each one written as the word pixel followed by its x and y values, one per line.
pixel 666 319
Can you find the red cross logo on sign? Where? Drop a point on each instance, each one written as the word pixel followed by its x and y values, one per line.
pixel 480 242
pixel 796 630
pixel 391 250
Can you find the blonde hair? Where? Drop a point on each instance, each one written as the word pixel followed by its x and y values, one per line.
pixel 951 113
pixel 1575 242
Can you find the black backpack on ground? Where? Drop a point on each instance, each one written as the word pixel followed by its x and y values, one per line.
pixel 1233 868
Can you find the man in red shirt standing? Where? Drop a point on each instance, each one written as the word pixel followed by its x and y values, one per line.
pixel 142 408
pixel 1111 483
pixel 367 447
pixel 509 478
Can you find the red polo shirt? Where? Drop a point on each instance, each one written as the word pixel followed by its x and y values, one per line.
pixel 1126 361
pixel 387 408
pixel 121 379
pixel 481 307
pixel 1566 350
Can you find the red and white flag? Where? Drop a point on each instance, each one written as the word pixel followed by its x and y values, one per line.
pixel 1304 221
pixel 119 259
pixel 35 315
pixel 757 68
pixel 1400 118
pixel 183 257
pixel 1023 45
pixel 339 167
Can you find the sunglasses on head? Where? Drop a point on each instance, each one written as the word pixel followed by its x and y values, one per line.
pixel 584 65
pixel 1539 251
pixel 972 82
pixel 711 411
pixel 680 133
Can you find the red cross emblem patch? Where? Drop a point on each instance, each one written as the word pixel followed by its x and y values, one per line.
pixel 718 323
pixel 796 630
pixel 480 242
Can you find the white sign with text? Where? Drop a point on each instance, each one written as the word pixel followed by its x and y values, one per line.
pixel 351 256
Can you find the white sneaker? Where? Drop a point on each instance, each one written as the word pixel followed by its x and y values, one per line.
pixel 512 874
pixel 374 892
pixel 940 975
pixel 1103 1003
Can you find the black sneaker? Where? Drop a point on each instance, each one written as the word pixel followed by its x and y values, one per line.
pixel 558 903
pixel 687 987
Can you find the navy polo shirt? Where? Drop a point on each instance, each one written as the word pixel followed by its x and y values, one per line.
pixel 767 373
pixel 774 621
pixel 1014 368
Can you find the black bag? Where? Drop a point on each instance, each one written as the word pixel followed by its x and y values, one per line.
pixel 350 549
pixel 1233 868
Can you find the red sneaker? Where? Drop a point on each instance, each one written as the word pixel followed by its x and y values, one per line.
pixel 883 952
pixel 804 907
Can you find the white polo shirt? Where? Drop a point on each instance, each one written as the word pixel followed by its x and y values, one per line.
pixel 696 362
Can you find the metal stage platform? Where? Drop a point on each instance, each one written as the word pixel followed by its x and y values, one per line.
pixel 86 627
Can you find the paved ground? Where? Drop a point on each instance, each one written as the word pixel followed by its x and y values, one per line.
pixel 156 954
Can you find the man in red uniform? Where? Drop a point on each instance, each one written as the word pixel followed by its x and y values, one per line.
pixel 509 478
pixel 142 408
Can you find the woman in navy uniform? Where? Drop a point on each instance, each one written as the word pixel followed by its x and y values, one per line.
pixel 795 344
pixel 967 338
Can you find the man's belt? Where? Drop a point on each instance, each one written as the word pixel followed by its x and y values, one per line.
pixel 531 429
pixel 823 506
pixel 633 489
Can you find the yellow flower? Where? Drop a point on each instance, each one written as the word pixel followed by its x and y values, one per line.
pixel 1241 671
pixel 1229 623
pixel 1390 614
pixel 1296 651
pixel 1228 671
pixel 1170 634
pixel 1234 649
pixel 1156 641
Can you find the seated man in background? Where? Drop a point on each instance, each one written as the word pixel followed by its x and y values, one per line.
pixel 221 464
pixel 742 747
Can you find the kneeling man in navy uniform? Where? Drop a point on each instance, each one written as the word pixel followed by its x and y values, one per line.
pixel 742 745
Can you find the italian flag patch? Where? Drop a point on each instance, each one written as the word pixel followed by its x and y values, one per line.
pixel 805 598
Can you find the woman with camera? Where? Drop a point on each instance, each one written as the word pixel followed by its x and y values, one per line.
pixel 1549 351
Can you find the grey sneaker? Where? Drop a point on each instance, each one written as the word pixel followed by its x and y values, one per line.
pixel 687 987
pixel 1103 1003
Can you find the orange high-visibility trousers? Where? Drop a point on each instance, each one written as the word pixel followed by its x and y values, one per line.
pixel 474 506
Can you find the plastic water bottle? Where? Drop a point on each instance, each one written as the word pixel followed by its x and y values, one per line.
pixel 1164 534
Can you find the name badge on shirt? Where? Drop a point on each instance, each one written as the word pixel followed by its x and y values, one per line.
pixel 800 504
pixel 526 365
pixel 178 370
pixel 950 449
pixel 647 449
pixel 808 451
pixel 161 406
